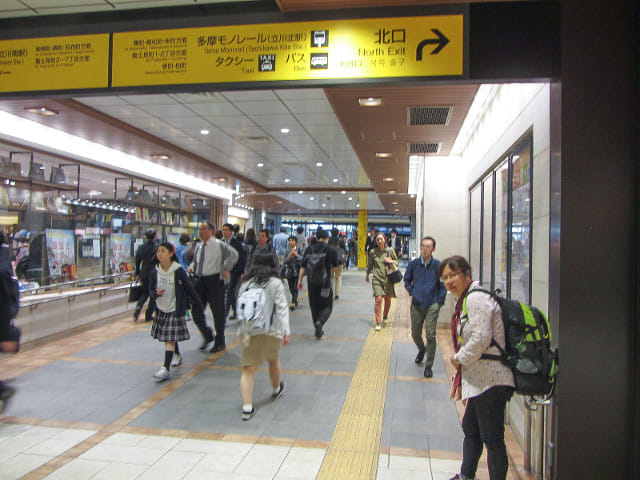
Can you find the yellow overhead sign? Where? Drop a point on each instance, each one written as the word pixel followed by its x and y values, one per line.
pixel 54 63
pixel 332 49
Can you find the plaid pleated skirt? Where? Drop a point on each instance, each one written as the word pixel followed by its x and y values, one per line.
pixel 167 327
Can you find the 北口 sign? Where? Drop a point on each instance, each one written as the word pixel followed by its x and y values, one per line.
pixel 54 63
pixel 336 49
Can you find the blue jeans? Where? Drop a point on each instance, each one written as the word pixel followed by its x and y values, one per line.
pixel 483 422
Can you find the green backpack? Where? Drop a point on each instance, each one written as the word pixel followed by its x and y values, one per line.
pixel 527 349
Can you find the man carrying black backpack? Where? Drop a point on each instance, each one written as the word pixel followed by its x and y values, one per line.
pixel 145 262
pixel 319 261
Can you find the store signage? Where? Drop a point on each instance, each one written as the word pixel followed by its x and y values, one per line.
pixel 332 49
pixel 54 63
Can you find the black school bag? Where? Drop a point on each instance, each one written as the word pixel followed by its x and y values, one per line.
pixel 316 268
pixel 527 349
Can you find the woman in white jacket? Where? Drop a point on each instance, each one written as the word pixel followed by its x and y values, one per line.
pixel 258 348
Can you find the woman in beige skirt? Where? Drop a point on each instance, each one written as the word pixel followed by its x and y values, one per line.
pixel 266 346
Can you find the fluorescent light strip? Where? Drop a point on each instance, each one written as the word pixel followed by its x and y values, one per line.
pixel 13 128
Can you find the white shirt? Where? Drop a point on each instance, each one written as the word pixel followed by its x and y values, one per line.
pixel 218 256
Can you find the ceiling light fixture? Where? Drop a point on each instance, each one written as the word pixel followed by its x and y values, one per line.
pixel 335 180
pixel 287 180
pixel 44 111
pixel 204 131
pixel 284 130
pixel 222 179
pixel 395 203
pixel 318 164
pixel 388 179
pixel 260 165
pixel 370 101
pixel 300 192
pixel 311 198
pixel 392 191
pixel 160 156
pixel 350 198
pixel 343 192
pixel 383 155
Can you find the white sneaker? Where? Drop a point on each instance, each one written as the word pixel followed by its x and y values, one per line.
pixel 378 327
pixel 176 360
pixel 162 374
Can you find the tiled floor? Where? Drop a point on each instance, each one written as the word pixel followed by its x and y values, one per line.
pixel 86 406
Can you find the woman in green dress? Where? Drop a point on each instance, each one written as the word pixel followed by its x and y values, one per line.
pixel 377 258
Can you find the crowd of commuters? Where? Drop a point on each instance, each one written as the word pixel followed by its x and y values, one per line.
pixel 218 267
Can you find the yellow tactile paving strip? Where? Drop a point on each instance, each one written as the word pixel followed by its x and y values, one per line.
pixel 355 446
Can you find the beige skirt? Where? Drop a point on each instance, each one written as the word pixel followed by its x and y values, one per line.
pixel 260 348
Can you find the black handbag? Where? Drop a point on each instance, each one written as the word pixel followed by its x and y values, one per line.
pixel 393 272
pixel 135 292
pixel 11 342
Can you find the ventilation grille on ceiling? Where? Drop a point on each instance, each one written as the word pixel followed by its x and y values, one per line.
pixel 429 115
pixel 430 147
pixel 255 140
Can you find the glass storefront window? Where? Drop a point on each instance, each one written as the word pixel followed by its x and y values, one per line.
pixel 501 226
pixel 487 216
pixel 475 202
pixel 520 224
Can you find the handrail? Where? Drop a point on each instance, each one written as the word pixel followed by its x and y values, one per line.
pixel 92 281
pixel 33 304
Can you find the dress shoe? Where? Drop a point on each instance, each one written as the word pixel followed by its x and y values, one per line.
pixel 428 373
pixel 217 348
pixel 319 331
pixel 420 357
pixel 205 344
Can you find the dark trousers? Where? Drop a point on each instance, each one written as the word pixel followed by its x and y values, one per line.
pixel 483 422
pixel 210 289
pixel 320 306
pixel 293 288
pixel 143 298
pixel 230 295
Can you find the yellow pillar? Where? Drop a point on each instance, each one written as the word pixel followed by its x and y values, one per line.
pixel 363 219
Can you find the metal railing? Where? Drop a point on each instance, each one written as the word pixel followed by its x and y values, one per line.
pixel 102 283
pixel 540 407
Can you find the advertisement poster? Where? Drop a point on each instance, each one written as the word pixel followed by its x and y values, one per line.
pixel 120 260
pixel 61 255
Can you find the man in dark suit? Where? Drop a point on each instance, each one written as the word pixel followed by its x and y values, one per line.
pixel 371 240
pixel 229 238
pixel 145 261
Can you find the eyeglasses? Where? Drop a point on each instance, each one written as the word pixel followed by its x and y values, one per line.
pixel 444 278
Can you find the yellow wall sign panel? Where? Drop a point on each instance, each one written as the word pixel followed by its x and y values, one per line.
pixel 54 63
pixel 333 49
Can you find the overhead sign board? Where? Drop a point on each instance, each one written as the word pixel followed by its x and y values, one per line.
pixel 333 49
pixel 54 63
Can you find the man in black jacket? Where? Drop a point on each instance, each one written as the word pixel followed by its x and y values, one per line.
pixel 237 270
pixel 8 307
pixel 145 261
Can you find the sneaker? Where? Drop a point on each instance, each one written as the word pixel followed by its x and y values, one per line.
pixel 292 307
pixel 5 394
pixel 337 297
pixel 161 375
pixel 385 321
pixel 420 357
pixel 276 395
pixel 378 327
pixel 247 415
pixel 176 360
pixel 428 373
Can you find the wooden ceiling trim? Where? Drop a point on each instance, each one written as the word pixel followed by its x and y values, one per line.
pixel 305 5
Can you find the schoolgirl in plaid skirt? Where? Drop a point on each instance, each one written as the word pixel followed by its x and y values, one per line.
pixel 172 291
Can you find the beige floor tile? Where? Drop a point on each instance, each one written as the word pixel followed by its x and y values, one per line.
pixel 173 465
pixel 440 465
pixel 117 453
pixel 19 465
pixel 263 460
pixel 156 441
pixel 125 439
pixel 78 469
pixel 397 462
pixel 120 471
pixel 219 462
pixel 213 446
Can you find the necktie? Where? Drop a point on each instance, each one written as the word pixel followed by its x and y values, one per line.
pixel 201 261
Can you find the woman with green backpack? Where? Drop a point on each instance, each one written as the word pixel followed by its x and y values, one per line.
pixel 484 385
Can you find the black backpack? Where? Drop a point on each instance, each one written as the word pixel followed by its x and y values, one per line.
pixel 527 349
pixel 316 269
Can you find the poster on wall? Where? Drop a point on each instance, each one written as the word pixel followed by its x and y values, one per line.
pixel 60 255
pixel 120 260
pixel 174 238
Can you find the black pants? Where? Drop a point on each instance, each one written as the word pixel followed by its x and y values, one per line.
pixel 320 306
pixel 143 298
pixel 230 295
pixel 483 422
pixel 210 289
pixel 293 288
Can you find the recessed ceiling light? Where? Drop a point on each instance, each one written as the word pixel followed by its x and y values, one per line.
pixel 396 209
pixel 370 101
pixel 287 180
pixel 300 192
pixel 160 156
pixel 279 202
pixel 222 179
pixel 204 131
pixel 42 111
pixel 383 155
pixel 324 204
pixel 298 209
pixel 103 181
pixel 392 191
pixel 343 192
pixel 260 165
pixel 413 195
pixel 387 179
pixel 311 198
pixel 350 198
pixel 335 180
pixel 318 164
pixel 357 204
pixel 284 130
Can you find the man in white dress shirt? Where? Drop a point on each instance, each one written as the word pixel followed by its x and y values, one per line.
pixel 212 264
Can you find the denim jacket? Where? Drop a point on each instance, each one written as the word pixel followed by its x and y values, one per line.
pixel 423 284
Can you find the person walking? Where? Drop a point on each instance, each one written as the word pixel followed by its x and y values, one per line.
pixel 318 262
pixel 145 262
pixel 172 292
pixel 377 259
pixel 263 246
pixel 258 348
pixel 280 242
pixel 301 240
pixel 9 308
pixel 336 275
pixel 212 264
pixel 181 250
pixel 485 385
pixel 229 238
pixel 291 270
pixel 427 293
